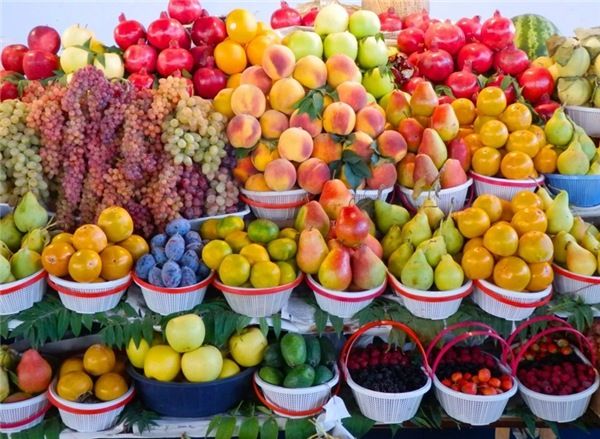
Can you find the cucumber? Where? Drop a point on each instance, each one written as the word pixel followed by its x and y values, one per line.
pixel 271 375
pixel 322 375
pixel 293 349
pixel 328 354
pixel 313 351
pixel 299 377
pixel 273 356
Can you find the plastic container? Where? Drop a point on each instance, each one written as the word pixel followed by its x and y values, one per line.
pixel 90 298
pixel 506 304
pixel 22 294
pixel 452 199
pixel 295 403
pixel 587 288
pixel 21 415
pixel 195 223
pixel 343 304
pixel 587 118
pixel 258 302
pixel 279 207
pixel 388 408
pixel 191 400
pixel 89 418
pixel 502 187
pixel 165 301
pixel 373 194
pixel 582 189
pixel 433 305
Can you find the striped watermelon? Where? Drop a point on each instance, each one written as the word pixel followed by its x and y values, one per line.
pixel 532 31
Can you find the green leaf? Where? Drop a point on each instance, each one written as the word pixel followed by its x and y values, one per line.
pixel 321 318
pixel 148 330
pixel 394 429
pixel 62 323
pixel 213 424
pixel 337 323
pixel 269 429
pixel 226 428
pixel 135 415
pixel 506 82
pixel 100 58
pixel 75 324
pixel 264 326
pixel 276 320
pixel 358 425
pixel 242 322
pixel 444 90
pixel 249 428
pixel 299 429
pixel 554 427
pixel 241 153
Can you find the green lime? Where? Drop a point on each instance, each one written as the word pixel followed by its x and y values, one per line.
pixel 234 270
pixel 289 232
pixel 228 225
pixel 281 249
pixel 265 274
pixel 288 273
pixel 263 231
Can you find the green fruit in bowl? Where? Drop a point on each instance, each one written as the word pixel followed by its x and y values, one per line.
pixel 304 43
pixel 330 19
pixel 202 365
pixel 341 42
pixel 185 333
pixel 364 23
pixel 248 347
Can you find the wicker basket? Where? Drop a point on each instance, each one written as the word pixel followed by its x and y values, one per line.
pixel 402 7
pixel 305 7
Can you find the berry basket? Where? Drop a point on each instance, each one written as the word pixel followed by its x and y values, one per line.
pixel 433 305
pixel 581 188
pixel 373 194
pixel 89 418
pixel 587 288
pixel 90 298
pixel 502 187
pixel 388 408
pixel 587 118
pixel 279 207
pixel 22 294
pixel 464 407
pixel 258 302
pixel 343 304
pixel 506 304
pixel 21 415
pixel 449 200
pixel 165 301
pixel 555 408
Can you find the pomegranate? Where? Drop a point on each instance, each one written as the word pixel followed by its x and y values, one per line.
pixel 309 18
pixel 208 30
pixel 497 32
pixel 390 21
pixel 477 55
pixel 202 55
pixel 536 83
pixel 174 58
pixel 445 36
pixel 436 65
pixel 44 38
pixel 141 79
pixel 464 83
pixel 285 17
pixel 128 32
pixel 418 19
pixel 413 58
pixel 509 91
pixel 140 56
pixel 38 64
pixel 411 84
pixel 184 11
pixel 411 40
pixel 12 57
pixel 163 30
pixel 208 81
pixel 547 109
pixel 471 27
pixel 511 60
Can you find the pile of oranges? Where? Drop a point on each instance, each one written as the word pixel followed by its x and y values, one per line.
pixel 96 252
pixel 508 244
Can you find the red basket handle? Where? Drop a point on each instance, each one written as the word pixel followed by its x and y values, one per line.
pixel 529 322
pixel 506 301
pixel 451 328
pixel 407 330
pixel 264 205
pixel 22 422
pixel 105 293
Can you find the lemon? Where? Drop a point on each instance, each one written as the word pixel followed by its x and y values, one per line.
pixel 230 368
pixel 262 230
pixel 288 273
pixel 137 354
pixel 208 229
pixel 237 240
pixel 162 363
pixel 214 252
pixel 228 225
pixel 234 270
pixel 255 253
pixel 265 275
pixel 289 232
pixel 281 249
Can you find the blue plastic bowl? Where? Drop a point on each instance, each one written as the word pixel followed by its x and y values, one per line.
pixel 192 400
pixel 583 189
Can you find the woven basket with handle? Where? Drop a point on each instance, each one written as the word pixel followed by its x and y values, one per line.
pixel 402 7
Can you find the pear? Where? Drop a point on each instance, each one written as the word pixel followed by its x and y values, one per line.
pixel 434 214
pixel 312 250
pixel 445 122
pixel 560 242
pixel 423 100
pixel 4 269
pixel 594 169
pixel 434 248
pixel 5 251
pixel 590 243
pixel 545 197
pixel 417 229
pixel 580 260
pixel 399 258
pixel 417 273
pixel 573 161
pixel 36 240
pixel 9 234
pixel 559 215
pixel 559 130
pixel 25 262
pixel 30 214
pixel 335 273
pixel 448 274
pixel 368 271
pixel 579 229
pixel 391 241
pixel 433 146
pixel 587 144
pixel 452 236
pixel 387 215
pixel 4 385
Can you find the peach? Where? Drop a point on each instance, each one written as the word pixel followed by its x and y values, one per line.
pixel 243 131
pixel 353 94
pixel 244 169
pixel 273 123
pixel 262 155
pixel 280 175
pixel 342 68
pixel 256 75
pixel 312 175
pixel 391 144
pixel 257 183
pixel 383 175
pixel 326 149
pixel 361 144
pixel 248 99
pixel 370 120
pixel 284 94
pixel 303 120
pixel 295 144
pixel 339 118
pixel 311 72
pixel 278 61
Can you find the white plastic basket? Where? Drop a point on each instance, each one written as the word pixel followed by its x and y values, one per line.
pixel 502 187
pixel 373 194
pixel 22 294
pixel 195 223
pixel 506 304
pixel 165 301
pixel 258 302
pixel 587 118
pixel 452 199
pixel 21 415
pixel 433 305
pixel 343 304
pixel 279 207
pixel 89 418
pixel 587 288
pixel 90 298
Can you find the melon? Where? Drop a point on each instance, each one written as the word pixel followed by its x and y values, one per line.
pixel 531 34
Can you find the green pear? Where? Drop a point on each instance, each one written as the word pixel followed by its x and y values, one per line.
pixel 417 273
pixel 559 129
pixel 391 241
pixel 30 214
pixel 4 269
pixel 587 144
pixel 9 234
pixel 559 215
pixel 435 215
pixel 398 259
pixel 580 260
pixel 594 169
pixel 25 262
pixel 452 236
pixel 560 242
pixel 36 240
pixel 5 251
pixel 590 243
pixel 417 229
pixel 434 248
pixel 579 229
pixel 387 215
pixel 545 197
pixel 448 274
pixel 573 161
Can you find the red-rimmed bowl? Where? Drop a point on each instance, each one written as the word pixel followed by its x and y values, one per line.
pixel 502 187
pixel 22 294
pixel 21 415
pixel 279 207
pixel 587 288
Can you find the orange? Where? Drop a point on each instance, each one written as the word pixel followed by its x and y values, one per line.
pixel 85 266
pixel 481 121
pixel 116 223
pixel 491 101
pixel 116 262
pixel 542 276
pixel 516 117
pixel 73 385
pixel 465 111
pixel 472 243
pixel 55 258
pixel 517 165
pixel 110 386
pixel 472 222
pixel 507 212
pixel 522 200
pixel 512 274
pixel 491 204
pixel 256 48
pixel 545 160
pixel 464 132
pixel 524 141
pixel 136 245
pixel 539 133
pixel 501 239
pixel 536 247
pixel 99 359
pixel 230 57
pixel 477 263
pixel 529 219
pixel 241 25
pixel 494 134
pixel 89 237
pixel 486 161
pixel 63 237
pixel 473 141
pixel 233 81
pixel 73 364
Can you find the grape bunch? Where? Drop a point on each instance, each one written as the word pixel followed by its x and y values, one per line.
pixel 20 161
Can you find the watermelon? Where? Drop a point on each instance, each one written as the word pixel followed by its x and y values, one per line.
pixel 532 31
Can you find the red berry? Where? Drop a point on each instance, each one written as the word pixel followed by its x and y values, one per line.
pixel 446 382
pixel 506 384
pixel 567 350
pixel 494 382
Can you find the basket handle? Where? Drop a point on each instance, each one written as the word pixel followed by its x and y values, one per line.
pixel 451 328
pixel 529 322
pixel 403 199
pixel 407 330
pixel 509 302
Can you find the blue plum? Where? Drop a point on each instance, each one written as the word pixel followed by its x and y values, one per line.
pixel 155 277
pixel 179 225
pixel 159 240
pixel 188 277
pixel 190 259
pixel 144 265
pixel 175 247
pixel 192 236
pixel 171 274
pixel 159 255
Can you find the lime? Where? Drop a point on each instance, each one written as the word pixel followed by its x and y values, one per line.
pixel 281 249
pixel 288 273
pixel 214 252
pixel 262 230
pixel 228 225
pixel 254 253
pixel 234 270
pixel 265 274
pixel 208 229
pixel 237 240
pixel 289 232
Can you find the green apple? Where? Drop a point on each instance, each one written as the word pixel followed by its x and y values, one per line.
pixel 202 365
pixel 378 84
pixel 331 19
pixel 111 65
pixel 185 333
pixel 364 23
pixel 248 347
pixel 341 42
pixel 75 58
pixel 372 52
pixel 304 43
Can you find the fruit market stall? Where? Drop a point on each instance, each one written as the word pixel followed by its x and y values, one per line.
pixel 334 220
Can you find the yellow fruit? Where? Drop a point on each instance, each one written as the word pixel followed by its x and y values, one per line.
pixel 281 249
pixel 289 232
pixel 89 237
pixel 517 165
pixel 234 270
pixel 85 266
pixel 536 247
pixel 241 25
pixel 516 117
pixel 493 134
pixel 185 333
pixel 162 363
pixel 265 274
pixel 98 359
pixel 110 386
pixel 63 237
pixel 524 141
pixel 472 222
pixel 230 368
pixel 202 365
pixel 230 57
pixel 234 81
pixel 472 243
pixel 238 240
pixel 486 161
pixel 529 219
pixel 73 364
pixel 542 276
pixel 137 354
pixel 255 253
pixel 74 385
pixel 491 204
pixel 229 224
pixel 512 274
pixel 248 347
pixel 491 101
pixel 208 229
pixel 288 273
pixel 214 252
pixel 222 102
pixel 464 110
pixel 136 245
pixel 501 239
pixel 116 223
pixel 477 263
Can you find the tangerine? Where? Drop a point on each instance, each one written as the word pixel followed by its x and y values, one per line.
pixel 110 386
pixel 256 48
pixel 491 101
pixel 116 223
pixel 524 141
pixel 545 160
pixel 494 134
pixel 62 237
pixel 465 111
pixel 85 266
pixel 501 239
pixel 524 199
pixel 234 81
pixel 529 219
pixel 516 117
pixel 517 165
pixel 73 364
pixel 539 133
pixel 486 161
pixel 473 141
pixel 116 262
pixel 55 258
pixel 89 237
pixel 136 245
pixel 99 359
pixel 230 57
pixel 512 273
pixel 491 204
pixel 472 222
pixel 542 276
pixel 535 247
pixel 472 243
pixel 477 263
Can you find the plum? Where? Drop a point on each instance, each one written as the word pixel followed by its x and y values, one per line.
pixel 171 274
pixel 192 236
pixel 155 277
pixel 159 240
pixel 144 265
pixel 202 272
pixel 195 246
pixel 175 247
pixel 179 225
pixel 159 255
pixel 188 277
pixel 190 259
